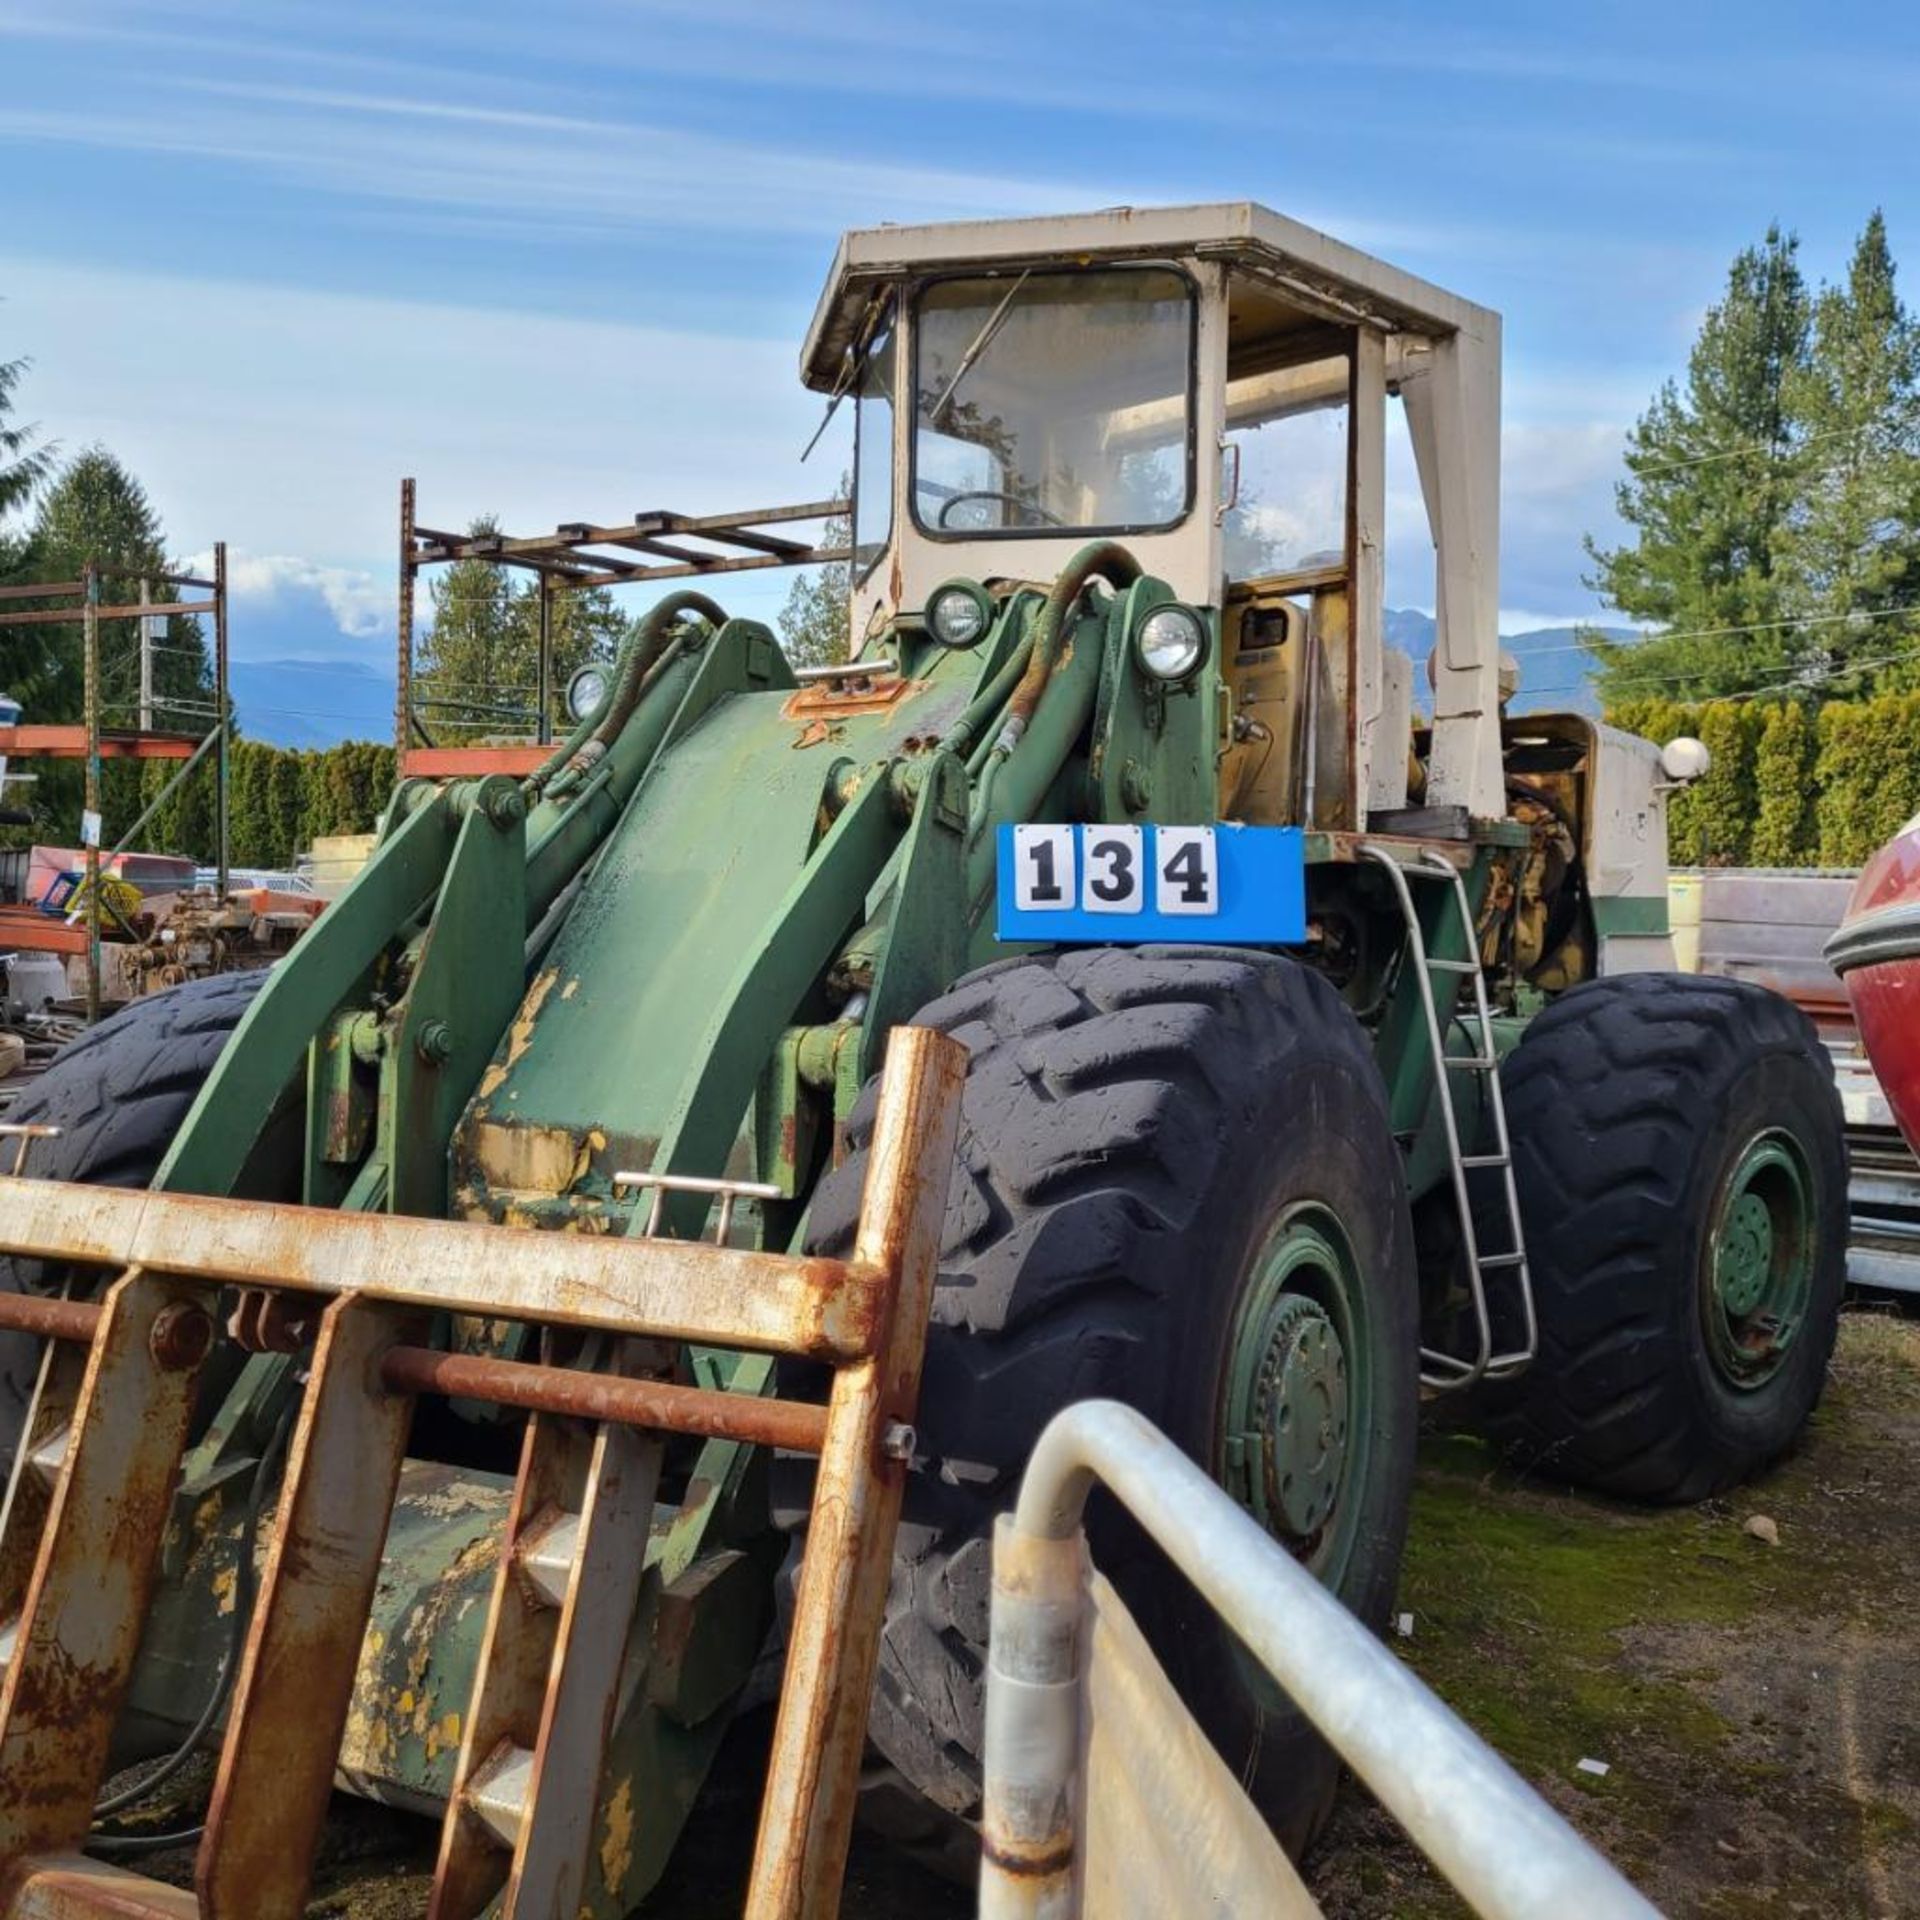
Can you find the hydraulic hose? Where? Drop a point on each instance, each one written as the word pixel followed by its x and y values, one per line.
pixel 964 735
pixel 590 740
pixel 1114 564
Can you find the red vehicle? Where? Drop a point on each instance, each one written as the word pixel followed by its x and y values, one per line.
pixel 1877 953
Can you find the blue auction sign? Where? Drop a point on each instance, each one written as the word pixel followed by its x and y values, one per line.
pixel 1210 886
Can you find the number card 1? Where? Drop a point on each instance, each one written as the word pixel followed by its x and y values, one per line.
pixel 1107 885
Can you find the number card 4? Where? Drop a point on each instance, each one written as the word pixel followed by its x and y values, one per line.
pixel 1109 884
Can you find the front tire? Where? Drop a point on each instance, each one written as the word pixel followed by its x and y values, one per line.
pixel 1679 1154
pixel 1177 1187
pixel 118 1095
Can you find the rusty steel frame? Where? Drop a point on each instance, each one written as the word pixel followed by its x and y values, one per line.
pixel 567 558
pixel 93 744
pixel 110 1436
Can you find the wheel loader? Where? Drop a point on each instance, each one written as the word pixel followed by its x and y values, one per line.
pixel 453 1362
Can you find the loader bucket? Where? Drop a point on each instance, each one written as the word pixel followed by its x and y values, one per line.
pixel 93 1489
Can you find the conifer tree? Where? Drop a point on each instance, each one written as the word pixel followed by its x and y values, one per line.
pixel 1713 469
pixel 1853 545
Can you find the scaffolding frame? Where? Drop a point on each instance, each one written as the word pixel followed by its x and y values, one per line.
pixel 578 555
pixel 80 600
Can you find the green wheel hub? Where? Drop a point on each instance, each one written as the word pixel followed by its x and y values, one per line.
pixel 1758 1263
pixel 1295 1398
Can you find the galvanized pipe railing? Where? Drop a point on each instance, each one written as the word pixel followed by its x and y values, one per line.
pixel 1493 1837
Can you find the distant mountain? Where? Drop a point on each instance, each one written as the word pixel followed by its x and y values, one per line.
pixel 318 703
pixel 312 703
pixel 1553 667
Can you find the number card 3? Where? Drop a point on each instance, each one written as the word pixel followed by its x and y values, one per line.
pixel 1115 869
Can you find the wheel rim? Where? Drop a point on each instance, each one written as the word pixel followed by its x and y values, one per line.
pixel 1296 1411
pixel 1758 1262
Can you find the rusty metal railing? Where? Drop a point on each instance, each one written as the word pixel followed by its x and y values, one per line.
pixel 81 1532
pixel 1103 1797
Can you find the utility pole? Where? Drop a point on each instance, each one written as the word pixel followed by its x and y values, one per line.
pixel 90 818
pixel 223 716
pixel 146 659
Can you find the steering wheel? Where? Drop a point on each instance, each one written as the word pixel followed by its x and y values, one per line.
pixel 1035 516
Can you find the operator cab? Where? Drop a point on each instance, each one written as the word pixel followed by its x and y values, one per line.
pixel 1211 387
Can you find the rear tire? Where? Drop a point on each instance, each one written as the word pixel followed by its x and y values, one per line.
pixel 1679 1153
pixel 1176 1186
pixel 118 1095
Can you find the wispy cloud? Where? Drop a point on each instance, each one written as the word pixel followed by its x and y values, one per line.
pixel 622 176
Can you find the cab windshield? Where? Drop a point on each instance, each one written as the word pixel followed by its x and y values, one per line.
pixel 1053 401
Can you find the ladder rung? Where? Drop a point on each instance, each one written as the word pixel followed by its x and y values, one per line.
pixel 1452 966
pixel 1475 1062
pixel 1487 1260
pixel 1485 1160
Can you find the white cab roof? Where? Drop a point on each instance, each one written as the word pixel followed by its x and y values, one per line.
pixel 1320 275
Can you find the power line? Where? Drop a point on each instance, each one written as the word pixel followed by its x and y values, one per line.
pixel 1789 678
pixel 1726 633
pixel 1771 448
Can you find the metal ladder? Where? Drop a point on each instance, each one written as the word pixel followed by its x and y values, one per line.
pixel 1440 1371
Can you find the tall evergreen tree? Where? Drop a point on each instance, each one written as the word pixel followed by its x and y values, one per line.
pixel 477 666
pixel 1853 544
pixel 1713 472
pixel 95 513
pixel 813 623
pixel 457 661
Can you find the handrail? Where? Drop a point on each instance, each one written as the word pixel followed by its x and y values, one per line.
pixel 1494 1838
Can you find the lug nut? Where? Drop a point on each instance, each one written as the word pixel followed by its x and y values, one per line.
pixel 506 806
pixel 898 1440
pixel 181 1337
pixel 434 1042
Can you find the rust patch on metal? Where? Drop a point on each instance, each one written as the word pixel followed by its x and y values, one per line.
pixel 74 1320
pixel 637 1402
pixel 1025 1863
pixel 181 1335
pixel 824 701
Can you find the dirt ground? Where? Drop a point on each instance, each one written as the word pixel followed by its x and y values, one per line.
pixel 1756 1705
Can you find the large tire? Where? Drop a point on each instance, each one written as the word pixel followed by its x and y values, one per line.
pixel 118 1095
pixel 1149 1137
pixel 1681 1166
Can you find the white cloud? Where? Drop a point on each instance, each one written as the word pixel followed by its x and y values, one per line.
pixel 361 606
pixel 282 421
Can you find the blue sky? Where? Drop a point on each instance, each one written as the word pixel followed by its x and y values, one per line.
pixel 556 260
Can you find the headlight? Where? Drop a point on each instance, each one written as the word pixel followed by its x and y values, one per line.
pixel 587 692
pixel 1171 643
pixel 958 613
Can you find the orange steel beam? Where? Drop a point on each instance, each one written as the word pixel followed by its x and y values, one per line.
pixel 441 763
pixel 39 932
pixel 70 743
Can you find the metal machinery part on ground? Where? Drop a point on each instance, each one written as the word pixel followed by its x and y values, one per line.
pixel 1117 561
